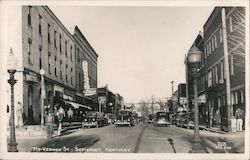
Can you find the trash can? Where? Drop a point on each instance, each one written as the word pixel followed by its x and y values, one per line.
pixel 233 124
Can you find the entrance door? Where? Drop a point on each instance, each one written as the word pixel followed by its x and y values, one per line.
pixel 30 118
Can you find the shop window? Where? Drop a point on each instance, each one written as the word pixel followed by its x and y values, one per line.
pixel 29 15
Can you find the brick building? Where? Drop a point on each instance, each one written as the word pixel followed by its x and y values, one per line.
pixel 41 41
pixel 214 64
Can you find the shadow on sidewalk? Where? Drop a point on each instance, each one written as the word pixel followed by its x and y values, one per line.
pixel 70 142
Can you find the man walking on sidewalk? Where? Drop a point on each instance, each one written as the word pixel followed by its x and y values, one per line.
pixel 70 114
pixel 49 120
pixel 239 120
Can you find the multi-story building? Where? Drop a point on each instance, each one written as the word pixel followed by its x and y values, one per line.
pixel 85 53
pixel 41 41
pixel 215 46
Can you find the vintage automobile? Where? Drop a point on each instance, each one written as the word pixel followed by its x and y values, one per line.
pixel 161 119
pixel 94 119
pixel 173 118
pixel 150 118
pixel 188 120
pixel 110 118
pixel 124 118
pixel 135 117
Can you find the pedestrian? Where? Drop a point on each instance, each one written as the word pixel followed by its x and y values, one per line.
pixel 49 121
pixel 217 118
pixel 61 114
pixel 70 114
pixel 239 120
pixel 19 113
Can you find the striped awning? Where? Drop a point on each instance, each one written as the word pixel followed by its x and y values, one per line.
pixel 77 105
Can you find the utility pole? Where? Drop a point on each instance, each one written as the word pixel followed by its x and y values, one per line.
pixel 226 69
pixel 172 83
pixel 187 96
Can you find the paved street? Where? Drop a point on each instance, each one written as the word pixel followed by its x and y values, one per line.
pixel 141 138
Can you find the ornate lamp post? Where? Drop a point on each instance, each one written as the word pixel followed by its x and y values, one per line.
pixel 194 59
pixel 12 65
pixel 42 72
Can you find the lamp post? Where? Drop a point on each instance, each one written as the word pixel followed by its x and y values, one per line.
pixel 42 72
pixel 12 65
pixel 194 59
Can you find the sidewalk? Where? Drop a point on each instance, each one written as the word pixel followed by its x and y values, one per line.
pixel 217 141
pixel 35 131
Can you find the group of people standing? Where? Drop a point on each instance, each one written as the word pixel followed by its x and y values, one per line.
pixel 52 116
pixel 56 116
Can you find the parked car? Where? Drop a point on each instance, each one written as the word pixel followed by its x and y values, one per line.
pixel 173 118
pixel 179 118
pixel 124 118
pixel 188 120
pixel 94 119
pixel 161 119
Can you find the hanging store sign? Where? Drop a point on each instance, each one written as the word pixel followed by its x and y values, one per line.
pixel 102 100
pixel 31 78
pixel 182 100
pixel 85 75
pixel 90 92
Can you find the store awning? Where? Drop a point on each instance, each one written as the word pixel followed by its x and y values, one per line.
pixel 77 105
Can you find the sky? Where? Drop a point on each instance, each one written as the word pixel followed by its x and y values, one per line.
pixel 141 48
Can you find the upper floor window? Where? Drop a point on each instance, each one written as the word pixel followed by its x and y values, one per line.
pixel 66 44
pixel 40 25
pixel 232 64
pixel 210 79
pixel 49 33
pixel 221 35
pixel 60 43
pixel 55 33
pixel 222 71
pixel 29 15
pixel 230 24
pixel 71 52
pixel 215 41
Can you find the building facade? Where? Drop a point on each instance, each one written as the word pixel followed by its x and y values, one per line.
pixel 215 46
pixel 44 43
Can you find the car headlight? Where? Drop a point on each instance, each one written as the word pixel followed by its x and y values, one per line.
pixel 115 120
pixel 93 119
pixel 128 120
pixel 85 120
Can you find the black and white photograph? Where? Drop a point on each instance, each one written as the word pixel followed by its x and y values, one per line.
pixel 145 79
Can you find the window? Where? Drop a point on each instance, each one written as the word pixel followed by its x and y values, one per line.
pixel 40 59
pixel 221 37
pixel 49 33
pixel 60 43
pixel 215 41
pixel 205 51
pixel 232 64
pixel 40 25
pixel 55 39
pixel 219 101
pixel 55 72
pixel 71 79
pixel 66 44
pixel 242 96
pixel 210 51
pixel 71 69
pixel 79 76
pixel 230 24
pixel 222 70
pixel 71 54
pixel 236 97
pixel 29 51
pixel 216 74
pixel 212 41
pixel 49 56
pixel 29 15
pixel 209 79
pixel 232 99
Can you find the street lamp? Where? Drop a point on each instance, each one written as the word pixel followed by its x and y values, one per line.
pixel 42 72
pixel 12 66
pixel 194 59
